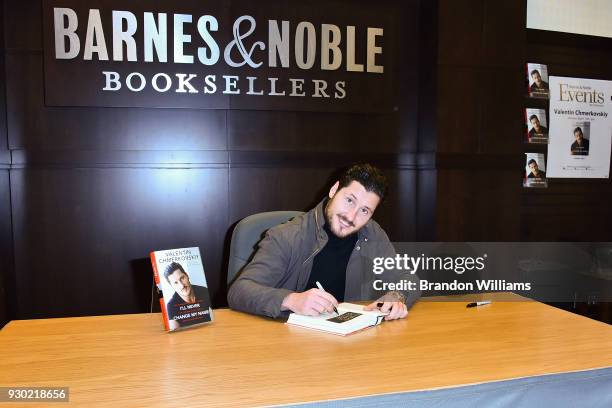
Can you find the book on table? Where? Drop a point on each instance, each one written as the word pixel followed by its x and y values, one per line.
pixel 351 318
pixel 181 284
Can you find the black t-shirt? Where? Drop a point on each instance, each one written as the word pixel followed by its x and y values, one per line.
pixel 329 265
pixel 580 149
pixel 543 88
pixel 541 175
pixel 543 131
pixel 178 308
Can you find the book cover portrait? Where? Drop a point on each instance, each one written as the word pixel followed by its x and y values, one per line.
pixel 179 275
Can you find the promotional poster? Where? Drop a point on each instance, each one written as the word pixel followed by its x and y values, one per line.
pixel 580 128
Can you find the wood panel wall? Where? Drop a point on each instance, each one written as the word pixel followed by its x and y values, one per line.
pixel 481 54
pixel 88 192
pixel 6 240
pixel 570 209
pixel 483 46
pixel 95 189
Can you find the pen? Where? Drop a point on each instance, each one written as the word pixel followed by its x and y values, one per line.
pixel 321 287
pixel 475 304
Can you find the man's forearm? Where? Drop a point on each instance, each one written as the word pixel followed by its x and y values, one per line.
pixel 248 296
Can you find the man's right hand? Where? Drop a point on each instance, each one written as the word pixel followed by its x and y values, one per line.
pixel 313 302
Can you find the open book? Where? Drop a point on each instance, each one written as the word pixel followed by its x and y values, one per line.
pixel 351 318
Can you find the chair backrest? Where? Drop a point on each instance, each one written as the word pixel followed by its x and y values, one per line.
pixel 247 234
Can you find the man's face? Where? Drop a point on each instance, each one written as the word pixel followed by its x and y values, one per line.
pixel 537 79
pixel 349 208
pixel 535 122
pixel 578 135
pixel 534 167
pixel 179 281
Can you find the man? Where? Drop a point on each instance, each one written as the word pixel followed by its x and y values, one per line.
pixel 538 85
pixel 535 171
pixel 537 129
pixel 333 244
pixel 184 293
pixel 581 146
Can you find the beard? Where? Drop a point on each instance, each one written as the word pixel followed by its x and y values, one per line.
pixel 329 218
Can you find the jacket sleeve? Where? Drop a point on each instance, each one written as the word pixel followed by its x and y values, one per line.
pixel 255 291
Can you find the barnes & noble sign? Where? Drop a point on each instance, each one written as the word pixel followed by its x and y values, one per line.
pixel 219 55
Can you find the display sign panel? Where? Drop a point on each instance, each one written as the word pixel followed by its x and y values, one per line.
pixel 580 130
pixel 222 55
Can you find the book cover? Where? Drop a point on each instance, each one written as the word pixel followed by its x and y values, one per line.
pixel 535 171
pixel 537 78
pixel 581 133
pixel 351 318
pixel 537 129
pixel 181 284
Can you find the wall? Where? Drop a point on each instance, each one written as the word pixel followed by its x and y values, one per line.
pixel 94 190
pixel 6 239
pixel 481 56
pixel 570 209
pixel 483 46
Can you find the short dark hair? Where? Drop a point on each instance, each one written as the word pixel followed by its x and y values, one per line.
pixel 578 129
pixel 532 161
pixel 371 178
pixel 535 71
pixel 171 268
pixel 532 117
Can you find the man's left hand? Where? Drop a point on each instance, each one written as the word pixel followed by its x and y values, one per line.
pixel 397 310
